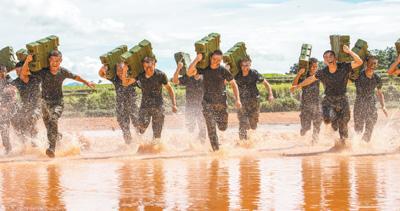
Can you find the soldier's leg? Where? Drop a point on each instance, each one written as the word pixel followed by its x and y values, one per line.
pixel 190 119
pixel 133 112
pixel 208 113
pixel 359 117
pixel 5 136
pixel 123 121
pixel 53 134
pixel 221 117
pixel 343 120
pixel 317 121
pixel 243 123
pixel 201 125
pixel 144 119
pixel 157 121
pixel 305 119
pixel 371 118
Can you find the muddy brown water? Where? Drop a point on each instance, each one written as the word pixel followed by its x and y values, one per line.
pixel 184 175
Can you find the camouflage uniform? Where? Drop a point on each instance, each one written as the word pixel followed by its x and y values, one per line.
pixel 8 106
pixel 310 109
pixel 335 105
pixel 365 112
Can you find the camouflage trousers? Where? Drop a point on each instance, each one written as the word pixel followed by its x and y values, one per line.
pixel 365 115
pixel 5 134
pixel 127 113
pixel 215 115
pixel 193 118
pixel 52 111
pixel 25 121
pixel 336 110
pixel 248 116
pixel 310 113
pixel 156 115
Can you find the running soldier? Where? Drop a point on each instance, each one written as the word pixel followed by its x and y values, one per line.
pixel 365 112
pixel 52 79
pixel 194 96
pixel 214 97
pixel 25 121
pixel 151 108
pixel 334 77
pixel 7 107
pixel 247 80
pixel 310 109
pixel 126 108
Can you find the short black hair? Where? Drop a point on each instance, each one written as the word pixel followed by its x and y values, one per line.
pixel 244 59
pixel 55 53
pixel 313 61
pixel 148 59
pixel 216 52
pixel 371 57
pixel 330 51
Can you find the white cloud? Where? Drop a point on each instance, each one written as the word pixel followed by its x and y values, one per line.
pixel 273 30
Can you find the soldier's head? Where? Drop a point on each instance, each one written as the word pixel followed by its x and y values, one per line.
pixel 215 59
pixel 119 69
pixel 313 63
pixel 55 59
pixel 245 64
pixel 149 63
pixel 3 71
pixel 372 62
pixel 329 57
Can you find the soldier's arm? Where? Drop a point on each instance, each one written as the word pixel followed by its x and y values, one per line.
pixel 126 81
pixel 393 69
pixel 381 98
pixel 357 60
pixel 171 94
pixel 192 67
pixel 235 90
pixel 175 79
pixel 269 88
pixel 308 81
pixel 87 83
pixel 24 75
pixel 297 78
pixel 102 71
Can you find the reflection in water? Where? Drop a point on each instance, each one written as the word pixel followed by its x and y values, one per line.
pixel 207 183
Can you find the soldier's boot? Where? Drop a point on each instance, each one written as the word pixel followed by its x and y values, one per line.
pixel 50 152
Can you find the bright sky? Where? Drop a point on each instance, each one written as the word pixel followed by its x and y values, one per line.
pixel 273 30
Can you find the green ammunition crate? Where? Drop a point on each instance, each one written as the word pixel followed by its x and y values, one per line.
pixel 111 59
pixel 7 58
pixel 21 54
pixel 398 46
pixel 206 46
pixel 361 49
pixel 337 42
pixel 233 56
pixel 304 59
pixel 185 59
pixel 305 55
pixel 133 58
pixel 40 51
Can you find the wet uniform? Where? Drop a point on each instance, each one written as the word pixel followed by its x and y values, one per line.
pixel 126 108
pixel 335 105
pixel 310 109
pixel 365 112
pixel 214 101
pixel 29 107
pixel 249 96
pixel 151 106
pixel 8 109
pixel 52 100
pixel 194 96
